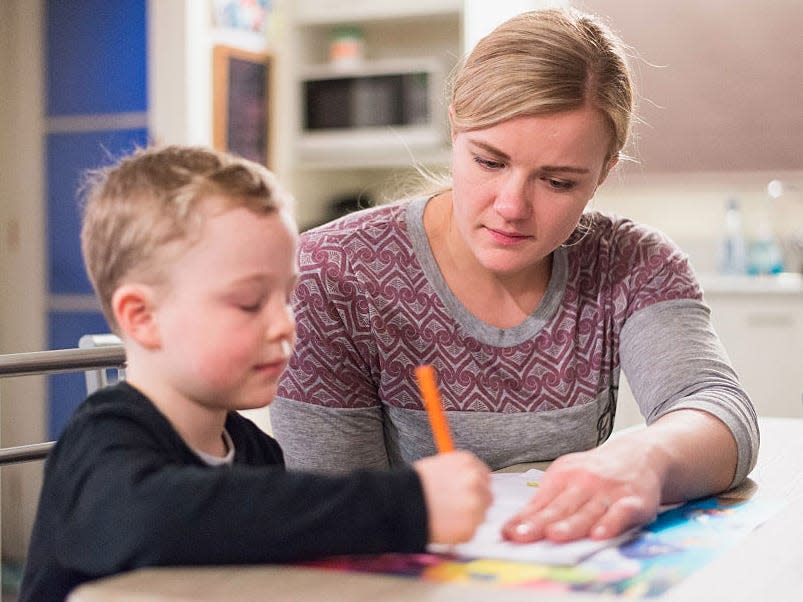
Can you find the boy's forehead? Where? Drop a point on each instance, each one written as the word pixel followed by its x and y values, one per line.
pixel 218 206
pixel 245 233
pixel 214 203
pixel 238 250
pixel 220 231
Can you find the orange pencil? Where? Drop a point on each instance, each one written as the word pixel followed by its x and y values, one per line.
pixel 432 402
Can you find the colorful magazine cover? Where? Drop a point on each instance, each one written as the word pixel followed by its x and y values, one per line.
pixel 646 564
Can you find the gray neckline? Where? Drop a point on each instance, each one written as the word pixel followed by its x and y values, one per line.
pixel 483 332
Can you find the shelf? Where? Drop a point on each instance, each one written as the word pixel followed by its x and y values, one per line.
pixel 331 12
pixel 368 68
pixel 414 36
pixel 372 147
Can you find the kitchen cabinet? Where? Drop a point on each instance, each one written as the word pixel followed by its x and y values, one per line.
pixel 760 322
pixel 763 335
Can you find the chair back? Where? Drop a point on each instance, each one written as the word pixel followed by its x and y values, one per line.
pixel 96 355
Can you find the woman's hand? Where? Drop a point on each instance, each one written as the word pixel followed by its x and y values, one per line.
pixel 598 494
pixel 606 491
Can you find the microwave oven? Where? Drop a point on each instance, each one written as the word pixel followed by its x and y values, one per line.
pixel 373 110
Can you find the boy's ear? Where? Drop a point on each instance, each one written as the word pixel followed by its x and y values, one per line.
pixel 133 306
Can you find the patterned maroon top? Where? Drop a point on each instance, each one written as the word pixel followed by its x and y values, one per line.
pixel 371 305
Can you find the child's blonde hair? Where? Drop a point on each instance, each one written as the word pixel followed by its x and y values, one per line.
pixel 148 200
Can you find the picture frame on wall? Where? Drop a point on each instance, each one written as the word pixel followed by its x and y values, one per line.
pixel 242 15
pixel 241 102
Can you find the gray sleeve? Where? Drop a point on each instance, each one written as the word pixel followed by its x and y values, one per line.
pixel 674 360
pixel 333 440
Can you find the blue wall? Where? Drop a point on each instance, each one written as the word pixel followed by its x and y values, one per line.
pixel 69 156
pixel 96 76
pixel 96 57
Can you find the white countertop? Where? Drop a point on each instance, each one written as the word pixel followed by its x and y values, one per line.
pixel 785 283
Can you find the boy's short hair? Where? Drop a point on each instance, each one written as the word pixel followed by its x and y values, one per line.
pixel 147 201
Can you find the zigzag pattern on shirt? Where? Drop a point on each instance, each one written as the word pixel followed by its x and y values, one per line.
pixel 367 315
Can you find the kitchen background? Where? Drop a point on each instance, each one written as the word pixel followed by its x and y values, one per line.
pixel 720 126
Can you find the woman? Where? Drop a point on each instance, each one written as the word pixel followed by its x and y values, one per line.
pixel 527 304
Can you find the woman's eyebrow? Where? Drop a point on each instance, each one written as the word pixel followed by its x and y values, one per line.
pixel 489 148
pixel 565 169
pixel 545 168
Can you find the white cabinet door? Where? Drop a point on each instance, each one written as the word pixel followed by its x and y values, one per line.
pixel 763 335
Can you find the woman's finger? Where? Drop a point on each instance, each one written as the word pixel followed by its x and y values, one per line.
pixel 532 522
pixel 626 513
pixel 579 524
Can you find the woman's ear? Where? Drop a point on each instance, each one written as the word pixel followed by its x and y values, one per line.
pixel 607 169
pixel 134 309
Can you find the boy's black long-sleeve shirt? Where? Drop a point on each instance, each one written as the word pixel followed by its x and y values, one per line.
pixel 122 490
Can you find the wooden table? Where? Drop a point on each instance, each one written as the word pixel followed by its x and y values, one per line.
pixel 766 565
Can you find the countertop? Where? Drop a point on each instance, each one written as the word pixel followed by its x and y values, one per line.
pixel 785 283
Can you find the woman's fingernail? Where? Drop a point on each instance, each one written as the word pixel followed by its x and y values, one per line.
pixel 523 529
pixel 562 526
pixel 599 531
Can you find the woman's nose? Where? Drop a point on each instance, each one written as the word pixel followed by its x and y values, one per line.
pixel 512 200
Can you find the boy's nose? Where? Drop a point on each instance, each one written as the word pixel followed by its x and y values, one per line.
pixel 282 323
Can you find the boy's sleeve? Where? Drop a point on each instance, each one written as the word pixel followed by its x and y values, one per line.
pixel 123 506
pixel 327 414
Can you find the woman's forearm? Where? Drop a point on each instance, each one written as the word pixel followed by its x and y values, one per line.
pixel 695 452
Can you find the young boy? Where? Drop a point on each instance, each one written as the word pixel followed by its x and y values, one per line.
pixel 192 255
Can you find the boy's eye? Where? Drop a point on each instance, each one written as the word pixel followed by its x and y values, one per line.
pixel 248 304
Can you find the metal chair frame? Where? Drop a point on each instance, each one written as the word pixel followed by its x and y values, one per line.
pixel 95 355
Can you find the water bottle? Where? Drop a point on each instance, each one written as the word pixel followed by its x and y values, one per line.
pixel 732 258
pixel 765 255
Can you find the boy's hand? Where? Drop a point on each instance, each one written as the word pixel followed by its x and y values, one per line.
pixel 457 490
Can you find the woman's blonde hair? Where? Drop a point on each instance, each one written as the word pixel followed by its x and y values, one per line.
pixel 146 202
pixel 542 62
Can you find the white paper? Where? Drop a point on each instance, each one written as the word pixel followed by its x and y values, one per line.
pixel 511 491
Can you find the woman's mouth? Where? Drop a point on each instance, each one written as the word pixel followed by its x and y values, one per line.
pixel 505 237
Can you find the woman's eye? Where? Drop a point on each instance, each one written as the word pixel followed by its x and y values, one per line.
pixel 560 184
pixel 488 163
